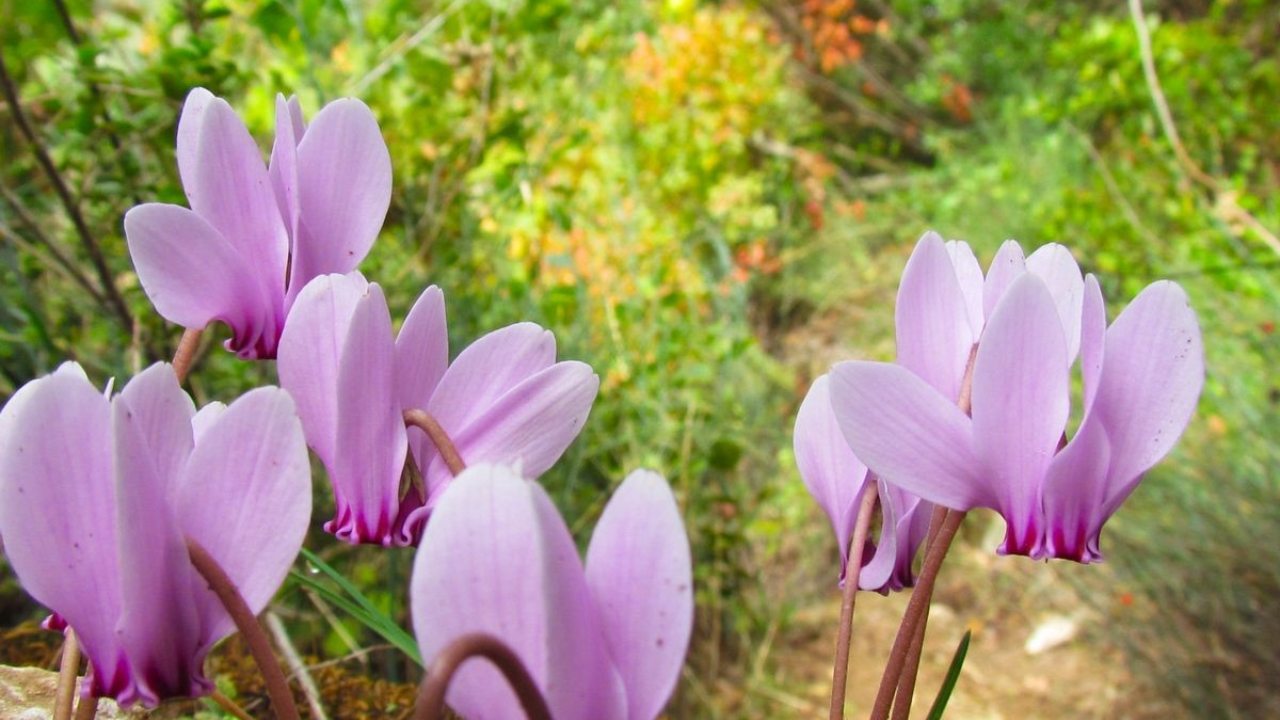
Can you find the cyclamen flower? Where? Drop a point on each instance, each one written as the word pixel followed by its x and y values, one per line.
pixel 606 643
pixel 254 236
pixel 98 495
pixel 504 399
pixel 1141 378
pixel 837 479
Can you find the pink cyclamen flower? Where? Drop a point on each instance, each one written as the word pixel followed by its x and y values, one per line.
pixel 504 399
pixel 1029 319
pixel 606 643
pixel 255 235
pixel 98 495
pixel 837 479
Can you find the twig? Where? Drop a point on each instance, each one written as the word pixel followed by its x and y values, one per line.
pixel 297 669
pixel 840 670
pixel 430 704
pixel 425 422
pixel 1126 208
pixel 59 259
pixel 358 654
pixel 1225 204
pixel 229 705
pixel 68 670
pixel 73 210
pixel 250 631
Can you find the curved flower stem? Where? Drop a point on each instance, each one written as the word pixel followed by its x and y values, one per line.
pixel 250 630
pixel 430 704
pixel 186 353
pixel 87 709
pixel 840 671
pixel 427 423
pixel 917 608
pixel 67 672
pixel 907 681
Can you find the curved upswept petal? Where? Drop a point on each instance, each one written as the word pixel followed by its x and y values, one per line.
pixel 55 482
pixel 1075 489
pixel 233 193
pixel 1060 272
pixel 193 275
pixel 283 169
pixel 244 494
pixel 496 558
pixel 1152 374
pixel 344 190
pixel 1008 265
pixel 969 275
pixel 835 477
pixel 934 333
pixel 422 350
pixel 310 352
pixel 372 441
pixel 1021 399
pixel 1093 337
pixel 487 369
pixel 189 123
pixel 640 573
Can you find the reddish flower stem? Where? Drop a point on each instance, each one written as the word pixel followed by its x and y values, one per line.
pixel 250 630
pixel 430 704
pixel 87 709
pixel 427 423
pixel 186 353
pixel 907 681
pixel 67 672
pixel 840 670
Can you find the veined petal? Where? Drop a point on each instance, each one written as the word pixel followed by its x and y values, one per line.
pixel 344 189
pixel 1152 373
pixel 193 275
pixel 57 501
pixel 159 624
pixel 1021 398
pixel 969 275
pixel 497 559
pixel 233 193
pixel 908 434
pixel 904 525
pixel 372 441
pixel 311 348
pixel 245 496
pixel 162 414
pixel 1060 272
pixel 835 477
pixel 487 369
pixel 932 318
pixel 283 169
pixel 1008 264
pixel 189 123
pixel 1093 337
pixel 1075 489
pixel 422 350
pixel 641 577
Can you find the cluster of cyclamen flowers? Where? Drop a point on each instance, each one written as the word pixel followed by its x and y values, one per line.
pixel 975 412
pixel 106 501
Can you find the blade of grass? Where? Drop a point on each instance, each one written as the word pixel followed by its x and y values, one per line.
pixel 360 609
pixel 949 682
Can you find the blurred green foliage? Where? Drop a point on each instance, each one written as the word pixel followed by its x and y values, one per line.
pixel 679 189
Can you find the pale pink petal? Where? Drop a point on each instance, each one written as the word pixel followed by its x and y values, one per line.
pixel 283 170
pixel 162 415
pixel 233 193
pixel 371 440
pixel 908 434
pixel 1008 264
pixel 641 576
pixel 934 334
pixel 1152 373
pixel 310 351
pixel 1054 265
pixel 832 473
pixel 497 559
pixel 245 496
pixel 344 189
pixel 487 369
pixel 969 274
pixel 1093 335
pixel 205 418
pixel 57 500
pixel 422 350
pixel 193 275
pixel 1075 491
pixel 1021 398
pixel 189 123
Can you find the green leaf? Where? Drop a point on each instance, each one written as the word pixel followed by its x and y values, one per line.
pixel 949 683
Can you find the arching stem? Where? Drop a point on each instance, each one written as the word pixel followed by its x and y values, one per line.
pixel 252 633
pixel 68 670
pixel 431 697
pixel 840 670
pixel 186 353
pixel 427 423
